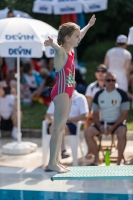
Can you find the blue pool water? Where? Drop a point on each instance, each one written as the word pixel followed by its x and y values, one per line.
pixel 43 195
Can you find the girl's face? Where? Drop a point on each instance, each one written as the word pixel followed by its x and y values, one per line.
pixel 74 39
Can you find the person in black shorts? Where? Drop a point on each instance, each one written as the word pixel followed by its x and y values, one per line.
pixel 113 105
pixel 8 112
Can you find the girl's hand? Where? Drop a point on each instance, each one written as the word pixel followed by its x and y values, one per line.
pixel 48 42
pixel 92 20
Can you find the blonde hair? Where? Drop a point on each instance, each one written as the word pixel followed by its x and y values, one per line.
pixel 66 29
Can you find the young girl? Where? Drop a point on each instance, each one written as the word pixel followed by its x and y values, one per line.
pixel 69 36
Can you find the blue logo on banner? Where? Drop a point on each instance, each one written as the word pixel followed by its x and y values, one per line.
pixel 19 51
pixel 94 6
pixel 43 8
pixel 52 52
pixel 19 37
pixel 67 9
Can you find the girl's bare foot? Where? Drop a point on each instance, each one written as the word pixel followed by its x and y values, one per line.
pixel 56 168
pixel 63 167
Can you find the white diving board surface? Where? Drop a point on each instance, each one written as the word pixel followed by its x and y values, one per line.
pixel 96 173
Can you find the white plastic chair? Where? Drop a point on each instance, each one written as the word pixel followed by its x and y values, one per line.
pixel 72 139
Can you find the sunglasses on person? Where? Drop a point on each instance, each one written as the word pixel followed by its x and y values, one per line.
pixel 110 80
pixel 102 71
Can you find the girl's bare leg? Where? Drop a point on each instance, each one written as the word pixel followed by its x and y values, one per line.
pixel 58 156
pixel 61 102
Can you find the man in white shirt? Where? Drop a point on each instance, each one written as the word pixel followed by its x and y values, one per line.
pixel 118 61
pixel 113 105
pixel 8 111
pixel 79 112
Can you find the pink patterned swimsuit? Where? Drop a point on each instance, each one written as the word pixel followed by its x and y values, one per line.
pixel 65 78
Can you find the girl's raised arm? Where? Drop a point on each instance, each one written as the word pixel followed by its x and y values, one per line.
pixel 85 29
pixel 50 42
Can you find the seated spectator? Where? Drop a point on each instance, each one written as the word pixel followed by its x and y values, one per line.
pixel 81 84
pixel 31 78
pixel 3 69
pixel 45 88
pixel 78 112
pixel 44 73
pixel 4 84
pixel 8 111
pixel 11 66
pixel 95 87
pixel 1 64
pixel 50 66
pixel 36 63
pixel 113 105
pixel 13 84
pixel 10 14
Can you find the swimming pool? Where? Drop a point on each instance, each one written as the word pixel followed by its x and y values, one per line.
pixel 45 195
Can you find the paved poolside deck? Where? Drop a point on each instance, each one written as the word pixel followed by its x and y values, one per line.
pixel 25 172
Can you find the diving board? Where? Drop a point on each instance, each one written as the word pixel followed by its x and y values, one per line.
pixel 96 173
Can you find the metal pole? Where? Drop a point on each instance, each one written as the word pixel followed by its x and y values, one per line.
pixel 18 99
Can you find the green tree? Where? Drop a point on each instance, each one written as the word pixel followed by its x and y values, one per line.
pixel 117 19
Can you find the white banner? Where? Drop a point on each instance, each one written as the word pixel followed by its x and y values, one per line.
pixel 94 6
pixel 67 8
pixel 25 49
pixel 42 7
pixel 49 52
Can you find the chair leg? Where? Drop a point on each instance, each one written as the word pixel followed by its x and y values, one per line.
pixel 75 156
pixel 84 148
pixel 74 147
pixel 80 145
pixel 124 159
pixel 112 142
pixel 100 145
pixel 45 148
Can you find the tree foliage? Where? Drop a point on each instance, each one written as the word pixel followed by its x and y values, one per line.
pixel 117 19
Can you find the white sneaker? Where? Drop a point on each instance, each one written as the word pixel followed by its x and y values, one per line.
pixel 14 133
